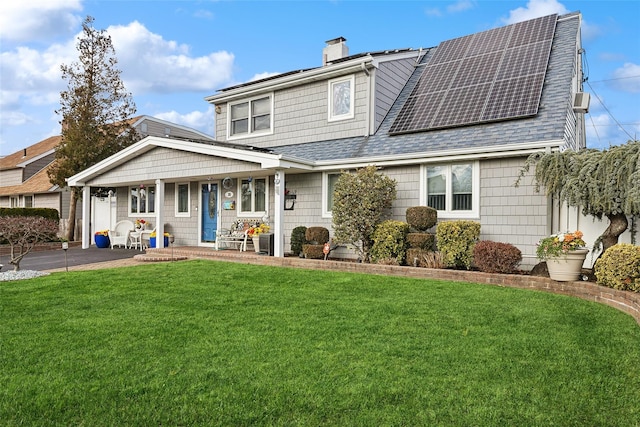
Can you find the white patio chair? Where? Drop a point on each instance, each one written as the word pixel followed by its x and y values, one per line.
pixel 119 236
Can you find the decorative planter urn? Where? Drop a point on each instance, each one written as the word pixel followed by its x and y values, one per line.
pixel 102 241
pixel 567 267
pixel 256 243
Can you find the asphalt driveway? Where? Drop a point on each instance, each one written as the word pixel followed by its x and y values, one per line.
pixel 52 259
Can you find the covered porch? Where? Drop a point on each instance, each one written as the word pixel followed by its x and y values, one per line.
pixel 192 189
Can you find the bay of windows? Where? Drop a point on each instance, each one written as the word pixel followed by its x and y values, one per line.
pixel 253 116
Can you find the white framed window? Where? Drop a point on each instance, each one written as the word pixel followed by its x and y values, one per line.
pixel 452 189
pixel 142 199
pixel 329 180
pixel 28 201
pixel 14 202
pixel 341 98
pixel 253 194
pixel 182 197
pixel 252 117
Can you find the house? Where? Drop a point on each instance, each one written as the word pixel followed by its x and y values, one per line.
pixel 24 181
pixel 452 124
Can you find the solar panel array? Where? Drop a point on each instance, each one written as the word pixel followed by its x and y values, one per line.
pixel 489 76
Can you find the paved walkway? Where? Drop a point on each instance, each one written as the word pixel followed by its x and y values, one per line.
pixel 75 258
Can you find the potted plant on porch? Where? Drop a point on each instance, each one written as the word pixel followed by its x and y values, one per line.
pixel 254 233
pixel 152 239
pixel 564 253
pixel 102 238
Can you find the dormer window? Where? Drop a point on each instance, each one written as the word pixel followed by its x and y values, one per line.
pixel 341 95
pixel 252 117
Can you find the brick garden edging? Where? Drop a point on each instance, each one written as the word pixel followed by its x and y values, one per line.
pixel 625 301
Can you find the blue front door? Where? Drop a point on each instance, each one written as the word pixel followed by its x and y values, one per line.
pixel 209 212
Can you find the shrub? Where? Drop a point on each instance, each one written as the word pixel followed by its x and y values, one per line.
pixel 496 257
pixel 619 267
pixel 316 238
pixel 361 201
pixel 421 241
pixel 298 239
pixel 317 235
pixel 455 241
pixel 48 213
pixel 421 218
pixel 313 251
pixel 424 258
pixel 390 242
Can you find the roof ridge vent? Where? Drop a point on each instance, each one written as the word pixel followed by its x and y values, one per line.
pixel 335 49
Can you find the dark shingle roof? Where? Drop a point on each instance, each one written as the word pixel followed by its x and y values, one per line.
pixel 547 125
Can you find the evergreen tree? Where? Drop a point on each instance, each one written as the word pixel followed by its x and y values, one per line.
pixel 601 183
pixel 361 201
pixel 95 110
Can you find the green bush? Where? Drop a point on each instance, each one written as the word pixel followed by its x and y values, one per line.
pixel 298 239
pixel 390 242
pixel 496 257
pixel 421 218
pixel 421 241
pixel 455 241
pixel 317 235
pixel 47 213
pixel 619 267
pixel 312 251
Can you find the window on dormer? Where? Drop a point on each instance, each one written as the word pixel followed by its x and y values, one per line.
pixel 341 94
pixel 250 117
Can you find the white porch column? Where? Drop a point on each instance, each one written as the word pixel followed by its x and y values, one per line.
pixel 278 214
pixel 159 213
pixel 86 217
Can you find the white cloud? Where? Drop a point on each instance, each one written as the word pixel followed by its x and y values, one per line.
pixel 200 120
pixel 627 78
pixel 456 7
pixel 32 75
pixel 151 64
pixel 535 9
pixel 38 20
pixel 261 76
pixel 460 6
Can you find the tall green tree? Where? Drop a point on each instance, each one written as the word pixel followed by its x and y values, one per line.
pixel 602 183
pixel 95 110
pixel 361 201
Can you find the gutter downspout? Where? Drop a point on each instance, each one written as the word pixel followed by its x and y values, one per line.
pixel 368 101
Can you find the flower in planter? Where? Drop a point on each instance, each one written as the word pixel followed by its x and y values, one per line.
pixel 140 222
pixel 256 230
pixel 559 244
pixel 102 233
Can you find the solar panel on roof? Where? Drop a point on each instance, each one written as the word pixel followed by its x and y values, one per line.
pixel 489 76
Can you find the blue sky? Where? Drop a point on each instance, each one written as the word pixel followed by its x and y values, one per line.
pixel 175 53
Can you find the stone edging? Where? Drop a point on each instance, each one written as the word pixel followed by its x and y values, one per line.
pixel 625 301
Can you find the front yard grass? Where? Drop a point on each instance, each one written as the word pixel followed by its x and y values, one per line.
pixel 213 343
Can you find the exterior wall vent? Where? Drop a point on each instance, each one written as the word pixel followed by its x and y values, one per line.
pixel 581 102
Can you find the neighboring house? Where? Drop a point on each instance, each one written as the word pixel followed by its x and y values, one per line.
pixel 24 181
pixel 451 124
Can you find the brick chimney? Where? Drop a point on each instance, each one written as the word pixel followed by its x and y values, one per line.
pixel 335 49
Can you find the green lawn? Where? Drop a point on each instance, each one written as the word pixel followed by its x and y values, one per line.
pixel 213 343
